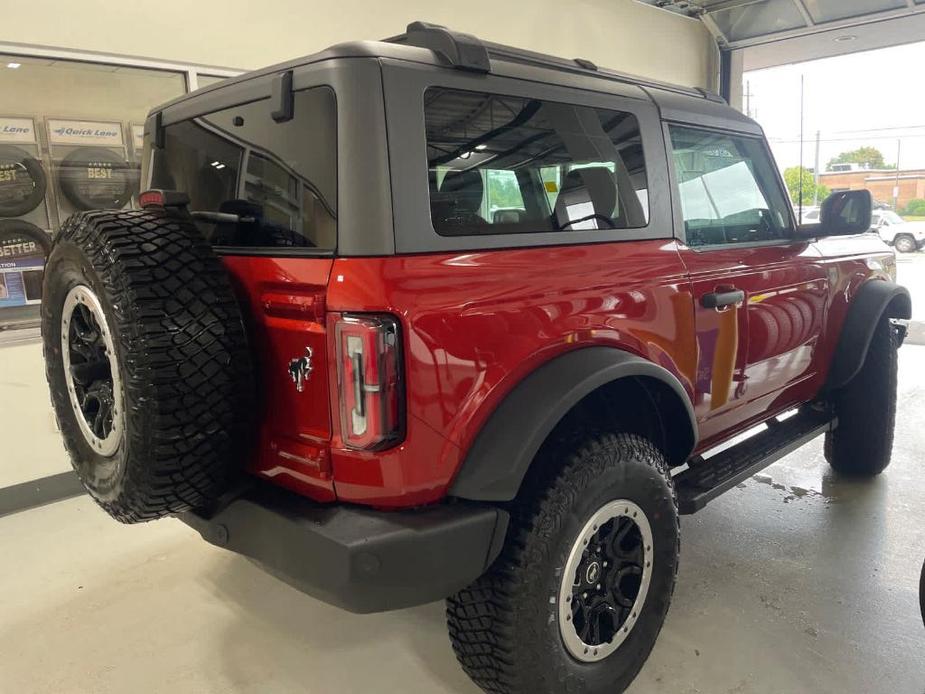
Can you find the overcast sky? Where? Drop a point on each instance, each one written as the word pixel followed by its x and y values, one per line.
pixel 872 98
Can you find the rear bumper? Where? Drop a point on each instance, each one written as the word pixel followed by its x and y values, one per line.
pixel 358 559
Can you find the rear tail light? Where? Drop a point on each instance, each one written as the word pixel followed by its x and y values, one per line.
pixel 370 381
pixel 162 198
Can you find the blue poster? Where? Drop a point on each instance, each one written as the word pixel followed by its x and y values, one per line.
pixel 21 266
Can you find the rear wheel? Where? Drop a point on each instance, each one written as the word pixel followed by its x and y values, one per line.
pixel 905 243
pixel 862 443
pixel 579 594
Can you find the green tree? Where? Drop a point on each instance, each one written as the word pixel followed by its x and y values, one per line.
pixel 871 157
pixel 792 179
pixel 915 208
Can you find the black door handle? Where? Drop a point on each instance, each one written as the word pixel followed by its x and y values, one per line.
pixel 720 299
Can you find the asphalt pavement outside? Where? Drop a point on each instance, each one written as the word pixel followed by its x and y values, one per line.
pixel 910 272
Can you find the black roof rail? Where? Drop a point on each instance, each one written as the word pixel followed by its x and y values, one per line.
pixel 463 51
pixel 468 52
pixel 711 96
pixel 585 63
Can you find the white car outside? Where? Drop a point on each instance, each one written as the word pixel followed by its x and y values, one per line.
pixel 905 236
pixel 810 214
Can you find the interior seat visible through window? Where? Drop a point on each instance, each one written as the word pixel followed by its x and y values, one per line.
pixel 459 199
pixel 588 200
pixel 508 165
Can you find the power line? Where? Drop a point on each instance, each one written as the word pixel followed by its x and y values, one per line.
pixel 875 130
pixel 870 130
pixel 798 140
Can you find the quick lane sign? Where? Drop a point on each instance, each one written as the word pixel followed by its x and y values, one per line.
pixel 83 132
pixel 17 130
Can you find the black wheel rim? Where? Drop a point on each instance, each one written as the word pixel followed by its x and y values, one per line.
pixel 605 581
pixel 90 370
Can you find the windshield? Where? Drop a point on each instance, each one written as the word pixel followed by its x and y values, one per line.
pixel 892 217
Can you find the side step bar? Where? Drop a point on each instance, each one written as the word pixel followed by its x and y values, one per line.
pixel 706 479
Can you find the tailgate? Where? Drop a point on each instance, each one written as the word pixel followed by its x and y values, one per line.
pixel 284 303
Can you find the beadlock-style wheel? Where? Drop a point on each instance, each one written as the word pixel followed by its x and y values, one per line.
pixel 147 362
pixel 576 599
pixel 605 581
pixel 91 372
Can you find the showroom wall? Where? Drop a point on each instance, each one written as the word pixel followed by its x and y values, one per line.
pixel 621 34
pixel 75 86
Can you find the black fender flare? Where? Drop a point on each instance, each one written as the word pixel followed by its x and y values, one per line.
pixel 497 461
pixel 873 299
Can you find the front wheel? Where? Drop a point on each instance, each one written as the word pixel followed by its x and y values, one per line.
pixel 905 243
pixel 862 443
pixel 578 596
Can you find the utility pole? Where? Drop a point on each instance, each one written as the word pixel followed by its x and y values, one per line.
pixel 816 171
pixel 899 149
pixel 800 187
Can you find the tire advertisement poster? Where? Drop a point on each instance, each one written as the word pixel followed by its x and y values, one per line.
pixel 23 245
pixel 21 263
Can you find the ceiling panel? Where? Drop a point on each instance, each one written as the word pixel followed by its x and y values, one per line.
pixel 830 10
pixel 757 19
pixel 888 32
pixel 743 23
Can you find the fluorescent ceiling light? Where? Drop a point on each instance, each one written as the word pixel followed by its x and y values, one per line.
pixel 13 66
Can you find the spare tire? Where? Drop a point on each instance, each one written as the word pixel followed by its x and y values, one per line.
pixel 147 361
pixel 93 178
pixel 22 182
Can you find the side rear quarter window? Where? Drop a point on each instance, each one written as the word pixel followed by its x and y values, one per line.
pixel 503 165
pixel 728 189
pixel 279 178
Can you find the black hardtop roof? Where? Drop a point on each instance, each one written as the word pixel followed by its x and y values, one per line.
pixel 435 45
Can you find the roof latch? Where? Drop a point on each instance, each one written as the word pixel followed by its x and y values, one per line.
pixel 282 97
pixel 159 132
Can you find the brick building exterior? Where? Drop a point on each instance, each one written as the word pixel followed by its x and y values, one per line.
pixel 880 183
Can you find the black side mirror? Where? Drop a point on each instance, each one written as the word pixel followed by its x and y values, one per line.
pixel 846 212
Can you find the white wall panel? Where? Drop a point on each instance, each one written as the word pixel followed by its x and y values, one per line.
pixel 619 34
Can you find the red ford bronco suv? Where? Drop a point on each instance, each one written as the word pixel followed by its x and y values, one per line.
pixel 434 318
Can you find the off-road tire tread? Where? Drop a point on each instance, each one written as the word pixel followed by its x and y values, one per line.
pixel 479 618
pixel 862 443
pixel 183 350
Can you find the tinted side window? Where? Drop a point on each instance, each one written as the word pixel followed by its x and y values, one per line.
pixel 504 165
pixel 280 178
pixel 729 192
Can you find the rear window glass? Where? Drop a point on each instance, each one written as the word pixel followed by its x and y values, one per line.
pixel 504 165
pixel 280 179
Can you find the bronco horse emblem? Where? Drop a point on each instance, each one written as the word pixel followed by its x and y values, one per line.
pixel 300 369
